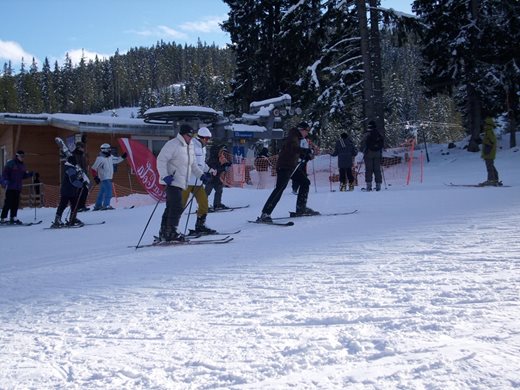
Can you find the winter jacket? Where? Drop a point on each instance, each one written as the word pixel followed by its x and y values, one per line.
pixel 72 180
pixel 177 158
pixel 346 151
pixel 373 142
pixel 200 157
pixel 489 143
pixel 291 151
pixel 104 166
pixel 13 174
pixel 217 157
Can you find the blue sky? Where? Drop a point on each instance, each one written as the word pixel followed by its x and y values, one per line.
pixel 51 28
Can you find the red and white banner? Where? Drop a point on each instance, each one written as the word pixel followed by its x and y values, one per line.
pixel 144 164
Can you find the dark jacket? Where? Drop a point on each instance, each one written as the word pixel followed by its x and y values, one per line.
pixel 374 142
pixel 13 174
pixel 346 151
pixel 72 180
pixel 291 151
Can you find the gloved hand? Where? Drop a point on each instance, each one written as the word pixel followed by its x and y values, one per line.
pixel 123 156
pixel 213 171
pixel 205 178
pixel 168 179
pixel 97 180
pixel 4 182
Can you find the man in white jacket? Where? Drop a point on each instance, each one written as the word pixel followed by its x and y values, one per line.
pixel 175 163
pixel 103 170
pixel 196 186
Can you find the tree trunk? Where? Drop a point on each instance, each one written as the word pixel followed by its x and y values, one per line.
pixel 375 50
pixel 474 119
pixel 368 91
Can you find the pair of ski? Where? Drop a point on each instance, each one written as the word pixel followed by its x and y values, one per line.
pixel 188 240
pixel 65 226
pixel 20 224
pixel 191 239
pixel 295 215
pixel 212 210
pixel 474 185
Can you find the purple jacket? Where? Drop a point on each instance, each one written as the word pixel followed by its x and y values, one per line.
pixel 13 174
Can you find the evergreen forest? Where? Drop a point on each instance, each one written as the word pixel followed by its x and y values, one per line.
pixel 435 75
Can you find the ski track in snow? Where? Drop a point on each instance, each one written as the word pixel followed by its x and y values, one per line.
pixel 429 305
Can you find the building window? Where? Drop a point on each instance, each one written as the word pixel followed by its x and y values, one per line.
pixel 155 144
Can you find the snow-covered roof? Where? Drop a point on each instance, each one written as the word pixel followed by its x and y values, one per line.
pixel 284 100
pixel 87 123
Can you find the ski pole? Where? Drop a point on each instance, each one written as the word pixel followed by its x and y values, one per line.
pixel 147 223
pixel 189 211
pixel 383 174
pixel 314 176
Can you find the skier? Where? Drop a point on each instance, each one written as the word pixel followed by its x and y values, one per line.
pixel 219 162
pixel 71 184
pixel 103 170
pixel 346 151
pixel 175 163
pixel 81 159
pixel 13 174
pixel 489 152
pixel 196 186
pixel 290 159
pixel 372 147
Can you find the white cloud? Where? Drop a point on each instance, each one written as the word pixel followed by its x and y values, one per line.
pixel 208 25
pixel 76 54
pixel 171 33
pixel 12 51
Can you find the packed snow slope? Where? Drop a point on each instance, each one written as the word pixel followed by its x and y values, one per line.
pixel 418 290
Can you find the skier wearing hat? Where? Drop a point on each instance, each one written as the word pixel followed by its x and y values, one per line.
pixel 13 174
pixel 69 191
pixel 290 159
pixel 372 147
pixel 218 161
pixel 81 160
pixel 196 186
pixel 175 163
pixel 103 170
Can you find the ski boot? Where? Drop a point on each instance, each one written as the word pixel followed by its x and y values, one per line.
pixel 220 207
pixel 107 208
pixel 368 187
pixel 351 186
pixel 57 222
pixel 16 221
pixel 167 235
pixel 3 221
pixel 342 187
pixel 201 228
pixel 75 222
pixel 265 218
pixel 378 186
pixel 306 211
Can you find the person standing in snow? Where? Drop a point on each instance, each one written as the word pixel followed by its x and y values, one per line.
pixel 103 170
pixel 196 186
pixel 346 151
pixel 218 160
pixel 290 159
pixel 489 152
pixel 71 185
pixel 372 147
pixel 81 160
pixel 13 174
pixel 176 162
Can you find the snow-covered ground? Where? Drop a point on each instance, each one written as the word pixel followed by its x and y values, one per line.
pixel 418 290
